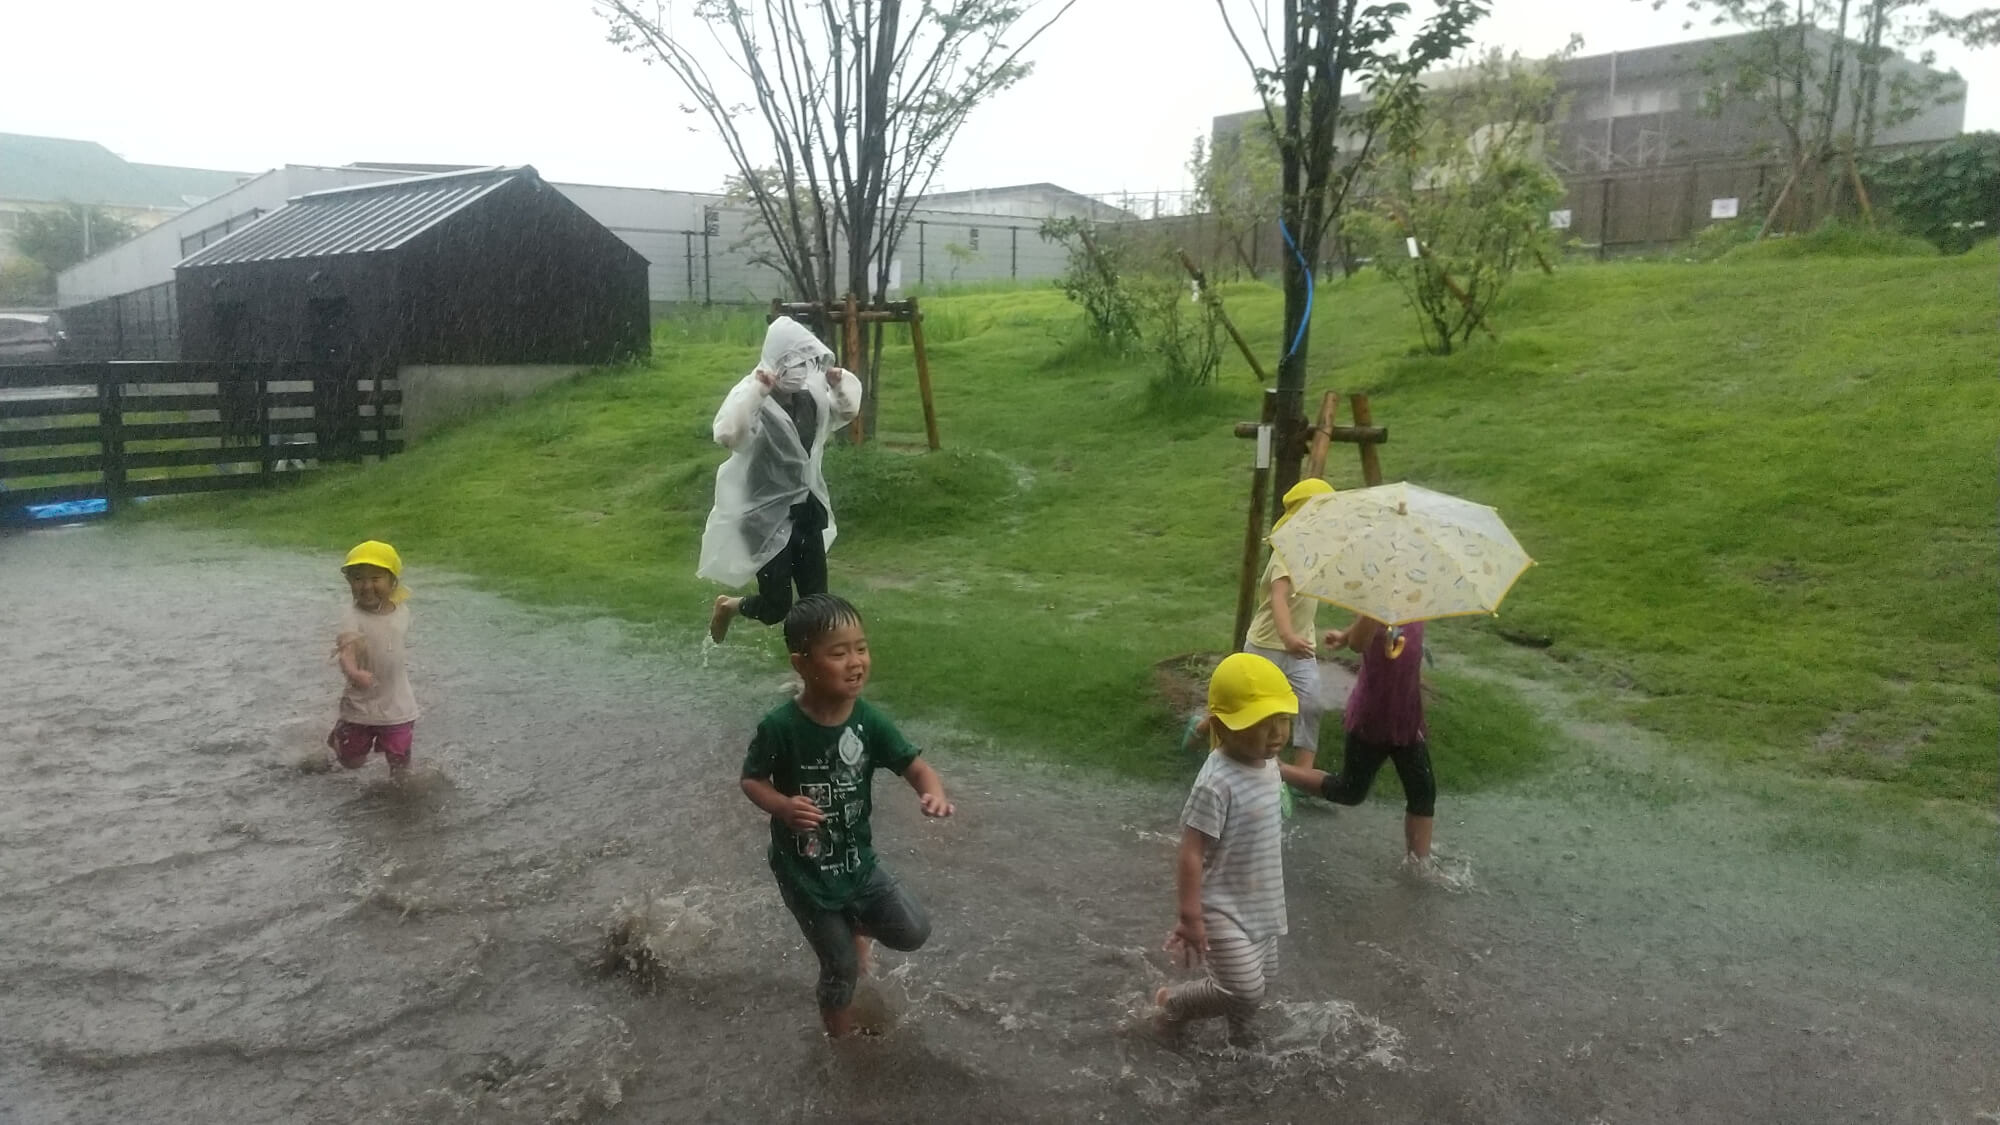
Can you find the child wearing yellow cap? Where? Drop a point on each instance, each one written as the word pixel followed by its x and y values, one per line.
pixel 378 711
pixel 1283 631
pixel 1229 875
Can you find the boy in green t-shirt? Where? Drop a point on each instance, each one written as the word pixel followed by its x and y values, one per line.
pixel 811 767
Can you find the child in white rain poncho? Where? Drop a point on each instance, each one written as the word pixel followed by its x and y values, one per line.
pixel 772 520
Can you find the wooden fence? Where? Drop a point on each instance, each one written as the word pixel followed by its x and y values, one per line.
pixel 119 431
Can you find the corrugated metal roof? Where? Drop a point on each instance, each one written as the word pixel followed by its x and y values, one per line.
pixel 366 219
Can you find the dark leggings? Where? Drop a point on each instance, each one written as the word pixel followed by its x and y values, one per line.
pixel 883 911
pixel 801 563
pixel 1361 759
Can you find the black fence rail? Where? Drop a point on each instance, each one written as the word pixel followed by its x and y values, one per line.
pixel 120 431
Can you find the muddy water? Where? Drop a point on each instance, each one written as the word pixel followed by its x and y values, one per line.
pixel 194 928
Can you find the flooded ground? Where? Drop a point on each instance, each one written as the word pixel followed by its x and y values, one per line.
pixel 192 927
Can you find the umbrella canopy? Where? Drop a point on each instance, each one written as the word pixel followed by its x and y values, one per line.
pixel 1400 553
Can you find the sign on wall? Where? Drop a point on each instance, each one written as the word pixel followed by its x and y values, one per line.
pixel 1559 220
pixel 1722 208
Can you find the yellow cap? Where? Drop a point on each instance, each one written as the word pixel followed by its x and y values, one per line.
pixel 1246 689
pixel 1298 494
pixel 375 553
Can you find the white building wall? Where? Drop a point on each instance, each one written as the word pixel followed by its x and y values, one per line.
pixel 149 259
pixel 940 247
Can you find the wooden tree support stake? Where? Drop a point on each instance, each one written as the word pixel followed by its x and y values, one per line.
pixel 851 338
pixel 1214 300
pixel 1860 190
pixel 1253 532
pixel 849 316
pixel 1363 433
pixel 924 376
pixel 1322 439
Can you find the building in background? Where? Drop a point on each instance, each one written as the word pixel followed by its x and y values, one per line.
pixel 1645 158
pixel 39 173
pixel 700 248
pixel 467 287
pixel 1024 201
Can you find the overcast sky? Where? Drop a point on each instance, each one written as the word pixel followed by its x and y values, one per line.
pixel 1121 87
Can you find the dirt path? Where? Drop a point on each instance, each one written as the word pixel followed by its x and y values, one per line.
pixel 187 920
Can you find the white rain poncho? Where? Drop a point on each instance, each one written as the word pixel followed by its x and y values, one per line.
pixel 771 465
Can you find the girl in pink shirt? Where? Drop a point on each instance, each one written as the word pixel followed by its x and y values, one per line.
pixel 1385 722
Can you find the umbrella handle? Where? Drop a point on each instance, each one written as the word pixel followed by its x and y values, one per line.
pixel 1396 642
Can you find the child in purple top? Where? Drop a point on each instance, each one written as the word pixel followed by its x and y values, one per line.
pixel 1384 721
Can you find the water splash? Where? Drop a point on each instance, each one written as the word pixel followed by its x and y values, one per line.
pixel 652 936
pixel 1448 873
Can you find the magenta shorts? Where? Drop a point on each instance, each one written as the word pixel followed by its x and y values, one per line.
pixel 352 743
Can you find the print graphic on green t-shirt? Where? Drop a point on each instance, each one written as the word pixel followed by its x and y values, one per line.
pixel 833 767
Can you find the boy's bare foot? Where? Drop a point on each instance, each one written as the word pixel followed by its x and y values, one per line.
pixel 839 1022
pixel 724 613
pixel 1164 1024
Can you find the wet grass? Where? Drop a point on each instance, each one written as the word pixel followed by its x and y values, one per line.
pixel 1762 494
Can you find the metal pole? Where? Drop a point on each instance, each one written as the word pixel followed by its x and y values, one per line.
pixel 687 240
pixel 1611 113
pixel 1604 219
pixel 1014 253
pixel 920 251
pixel 707 271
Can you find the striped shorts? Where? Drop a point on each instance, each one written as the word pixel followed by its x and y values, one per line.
pixel 1237 971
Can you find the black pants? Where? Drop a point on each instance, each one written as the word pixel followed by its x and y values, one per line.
pixel 1361 759
pixel 883 911
pixel 800 563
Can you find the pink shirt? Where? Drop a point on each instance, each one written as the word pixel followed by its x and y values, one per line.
pixel 1386 706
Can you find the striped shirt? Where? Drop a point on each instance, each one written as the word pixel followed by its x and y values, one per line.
pixel 1243 874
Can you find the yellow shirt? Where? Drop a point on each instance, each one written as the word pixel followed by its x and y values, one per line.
pixel 1264 626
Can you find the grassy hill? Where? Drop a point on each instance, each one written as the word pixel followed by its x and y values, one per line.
pixel 1762 494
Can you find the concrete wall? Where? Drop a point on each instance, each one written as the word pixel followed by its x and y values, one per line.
pixel 437 394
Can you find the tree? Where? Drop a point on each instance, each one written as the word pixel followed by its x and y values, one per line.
pixel 1236 183
pixel 837 114
pixel 1814 71
pixel 1325 50
pixel 1461 178
pixel 60 237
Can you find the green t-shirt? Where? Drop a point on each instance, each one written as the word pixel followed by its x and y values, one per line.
pixel 835 766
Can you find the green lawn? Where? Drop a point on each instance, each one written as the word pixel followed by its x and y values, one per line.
pixel 1762 494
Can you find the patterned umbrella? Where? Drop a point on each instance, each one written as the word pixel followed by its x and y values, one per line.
pixel 1400 553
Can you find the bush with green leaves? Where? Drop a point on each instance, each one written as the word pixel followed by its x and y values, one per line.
pixel 1135 304
pixel 1182 331
pixel 1461 178
pixel 1092 279
pixel 1948 195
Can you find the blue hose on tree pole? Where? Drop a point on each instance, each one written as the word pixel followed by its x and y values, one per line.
pixel 1299 336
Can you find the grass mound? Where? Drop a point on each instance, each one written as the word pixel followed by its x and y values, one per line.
pixel 1835 240
pixel 1762 498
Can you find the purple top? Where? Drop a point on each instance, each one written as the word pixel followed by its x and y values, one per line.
pixel 1386 706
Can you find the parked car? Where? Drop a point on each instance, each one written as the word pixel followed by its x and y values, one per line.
pixel 31 337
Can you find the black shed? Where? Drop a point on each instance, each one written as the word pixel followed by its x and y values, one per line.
pixel 485 267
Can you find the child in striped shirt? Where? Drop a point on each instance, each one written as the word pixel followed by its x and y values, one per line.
pixel 1230 875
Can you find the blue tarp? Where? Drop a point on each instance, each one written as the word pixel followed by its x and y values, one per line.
pixel 67 510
